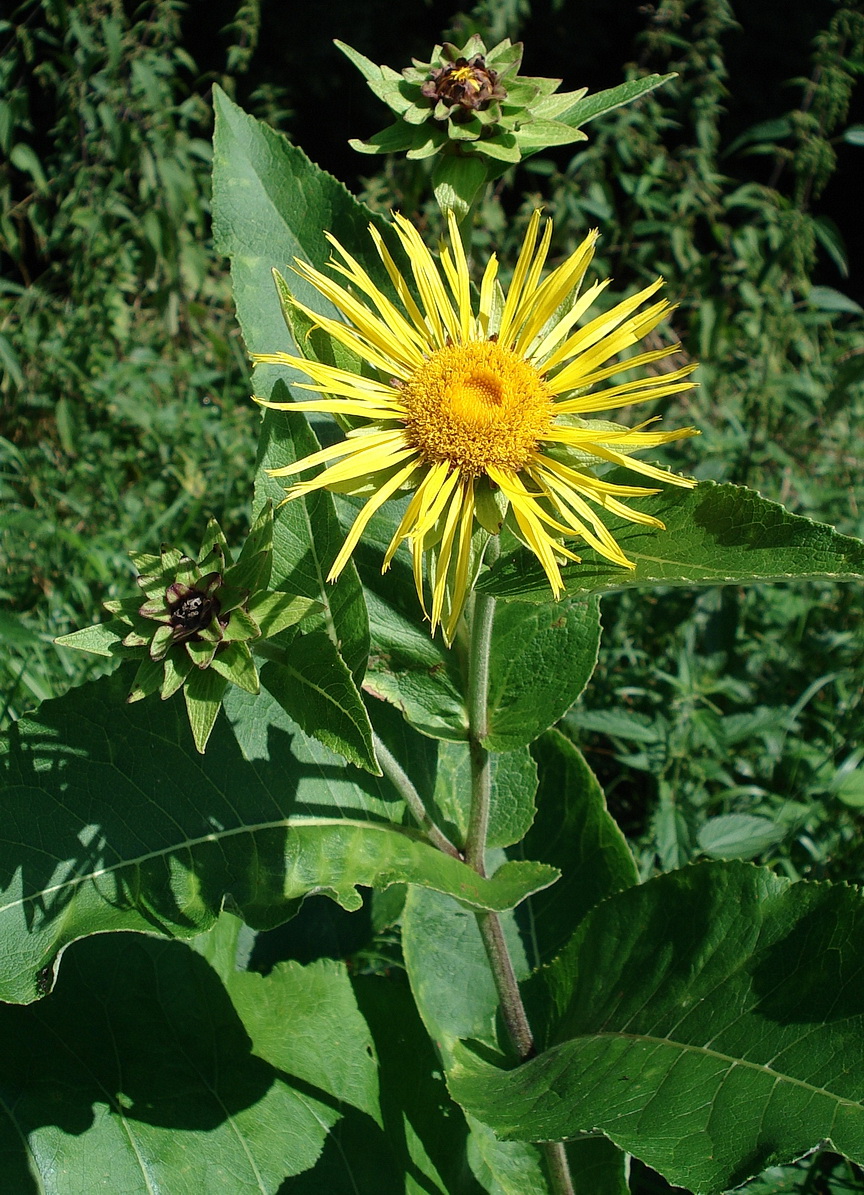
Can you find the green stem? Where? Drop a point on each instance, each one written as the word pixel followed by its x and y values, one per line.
pixel 558 1168
pixel 478 730
pixel 510 999
pixel 400 780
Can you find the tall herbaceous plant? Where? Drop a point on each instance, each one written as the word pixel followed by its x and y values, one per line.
pixel 363 696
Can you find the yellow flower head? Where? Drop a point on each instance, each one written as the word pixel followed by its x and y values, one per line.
pixel 471 405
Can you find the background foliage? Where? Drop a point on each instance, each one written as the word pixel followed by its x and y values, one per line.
pixel 125 415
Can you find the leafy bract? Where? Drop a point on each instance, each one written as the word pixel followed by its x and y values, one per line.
pixel 132 829
pixel 709 1021
pixel 715 535
pixel 201 1088
pixel 590 107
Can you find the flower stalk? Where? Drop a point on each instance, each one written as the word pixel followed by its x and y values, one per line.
pixel 491 930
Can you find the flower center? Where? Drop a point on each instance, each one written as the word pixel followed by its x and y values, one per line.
pixel 468 85
pixel 476 405
pixel 192 609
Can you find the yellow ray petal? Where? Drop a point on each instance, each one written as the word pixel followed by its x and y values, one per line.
pixel 514 291
pixel 344 447
pixel 397 343
pixel 361 279
pixel 459 591
pixel 635 362
pixel 632 462
pixel 487 294
pixel 586 482
pixel 422 499
pixel 629 393
pixel 402 289
pixel 439 312
pixel 601 326
pixel 387 490
pixel 360 464
pixel 563 282
pixel 443 554
pixel 630 332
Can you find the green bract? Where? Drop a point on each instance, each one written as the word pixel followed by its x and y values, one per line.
pixel 193 629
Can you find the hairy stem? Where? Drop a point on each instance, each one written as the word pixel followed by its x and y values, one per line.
pixel 557 1167
pixel 395 773
pixel 491 930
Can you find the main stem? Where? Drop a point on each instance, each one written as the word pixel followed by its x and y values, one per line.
pixel 491 930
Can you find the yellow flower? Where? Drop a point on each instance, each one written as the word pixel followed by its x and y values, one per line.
pixel 470 407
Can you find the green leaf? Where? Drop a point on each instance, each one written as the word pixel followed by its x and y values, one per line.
pixel 146 681
pixel 423 1143
pixel 104 639
pixel 441 941
pixel 739 836
pixel 137 831
pixel 596 105
pixel 503 147
pixel 252 570
pixel 715 535
pixel 313 685
pixel 306 540
pixel 257 176
pixel 365 65
pixel 456 997
pixel 826 298
pixel 517 1168
pixel 573 831
pixel 709 1021
pixel 240 627
pixel 538 667
pixel 199 1079
pixel 275 611
pixel 414 672
pixel 449 971
pixel 513 785
pixel 396 138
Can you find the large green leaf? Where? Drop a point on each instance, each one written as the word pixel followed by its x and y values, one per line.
pixel 715 535
pixel 541 659
pixel 421 1149
pixel 307 538
pixel 597 1167
pixel 710 1022
pixel 270 205
pixel 441 941
pixel 135 830
pixel 147 1070
pixel 574 831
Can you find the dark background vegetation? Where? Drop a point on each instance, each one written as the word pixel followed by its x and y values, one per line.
pixel 124 411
